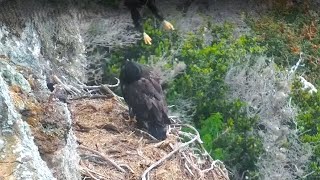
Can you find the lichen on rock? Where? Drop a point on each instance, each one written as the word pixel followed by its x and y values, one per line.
pixel 36 134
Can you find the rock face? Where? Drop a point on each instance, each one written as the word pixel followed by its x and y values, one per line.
pixel 40 40
pixel 32 129
pixel 36 139
pixel 19 154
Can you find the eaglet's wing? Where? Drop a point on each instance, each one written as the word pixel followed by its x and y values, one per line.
pixel 147 101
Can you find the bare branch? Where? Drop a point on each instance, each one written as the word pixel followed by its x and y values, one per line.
pixel 147 134
pixel 101 86
pixel 66 87
pixel 89 173
pixel 104 157
pixel 183 145
pixel 96 96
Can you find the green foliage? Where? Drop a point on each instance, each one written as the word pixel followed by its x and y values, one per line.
pixel 309 122
pixel 232 141
pixel 209 130
pixel 207 65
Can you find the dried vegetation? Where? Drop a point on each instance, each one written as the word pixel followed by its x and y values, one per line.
pixel 112 148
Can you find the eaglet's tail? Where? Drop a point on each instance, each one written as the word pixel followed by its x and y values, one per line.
pixel 159 129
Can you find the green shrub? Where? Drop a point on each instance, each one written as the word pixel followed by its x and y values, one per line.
pixel 309 122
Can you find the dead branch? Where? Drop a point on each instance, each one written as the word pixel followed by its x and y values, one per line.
pixel 95 96
pixel 88 173
pixel 72 89
pixel 185 164
pixel 84 88
pixel 104 157
pixel 194 129
pixel 100 87
pixel 191 163
pixel 198 139
pixel 189 170
pixel 183 145
pixel 118 98
pixel 128 167
pixel 147 134
pixel 105 87
pixel 213 164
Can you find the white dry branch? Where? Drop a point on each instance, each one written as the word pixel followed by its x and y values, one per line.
pixel 80 90
pixel 68 88
pixel 146 172
pixel 307 85
pixel 181 149
pixel 266 89
pixel 89 172
pixel 146 134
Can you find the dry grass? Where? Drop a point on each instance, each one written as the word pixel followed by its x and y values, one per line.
pixel 104 126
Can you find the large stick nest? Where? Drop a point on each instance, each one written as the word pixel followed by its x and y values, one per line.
pixel 112 148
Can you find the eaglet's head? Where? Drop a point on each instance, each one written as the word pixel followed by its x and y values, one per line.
pixel 130 72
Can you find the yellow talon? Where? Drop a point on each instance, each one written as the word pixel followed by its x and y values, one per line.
pixel 167 25
pixel 147 39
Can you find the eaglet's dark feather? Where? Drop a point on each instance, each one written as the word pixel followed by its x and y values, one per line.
pixel 143 93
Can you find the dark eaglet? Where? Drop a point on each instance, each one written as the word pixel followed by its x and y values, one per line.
pixel 143 93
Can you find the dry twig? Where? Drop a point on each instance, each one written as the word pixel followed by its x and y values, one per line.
pixel 147 134
pixel 68 88
pixel 105 158
pixel 87 172
pixel 95 96
pixel 154 165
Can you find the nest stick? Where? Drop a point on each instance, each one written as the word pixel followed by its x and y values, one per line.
pixel 154 165
pixel 147 134
pixel 99 87
pixel 66 87
pixel 104 157
pixel 130 169
pixel 95 96
pixel 213 163
pixel 187 167
pixel 191 163
pixel 98 174
pixel 88 173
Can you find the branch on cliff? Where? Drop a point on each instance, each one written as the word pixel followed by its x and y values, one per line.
pixel 82 90
pixel 68 88
pixel 105 87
